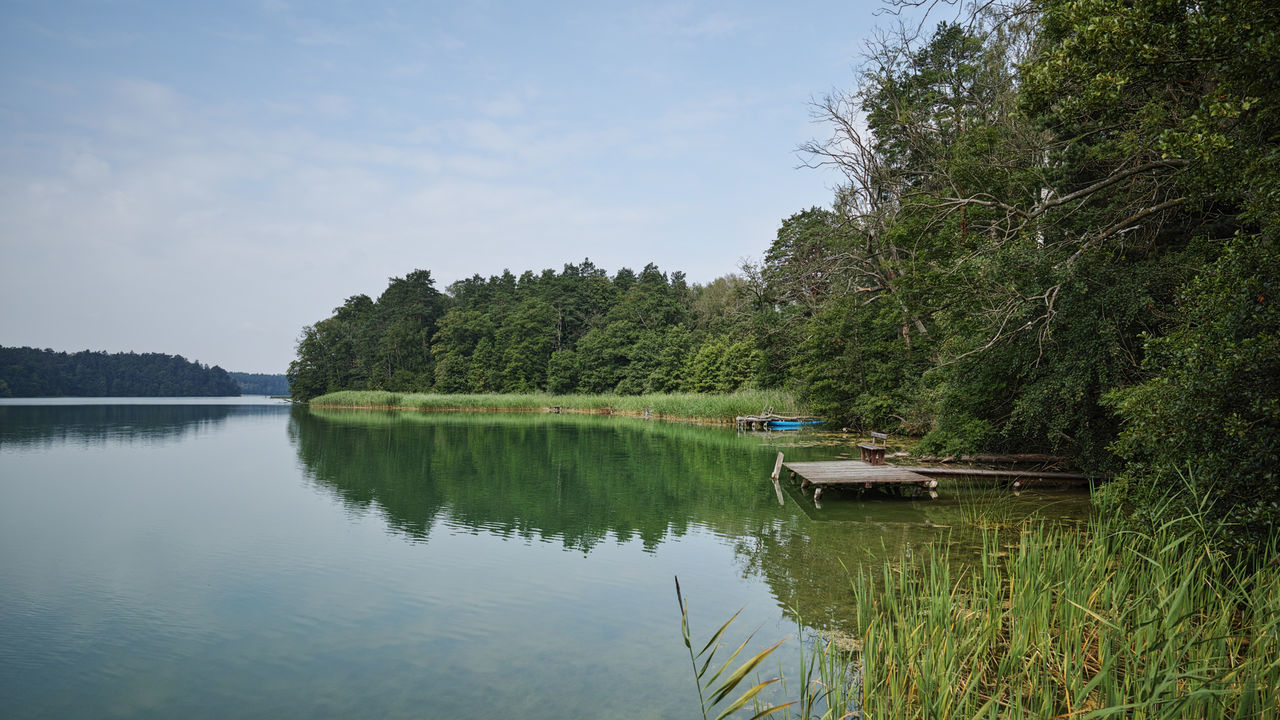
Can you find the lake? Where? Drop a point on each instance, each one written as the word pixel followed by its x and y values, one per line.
pixel 245 558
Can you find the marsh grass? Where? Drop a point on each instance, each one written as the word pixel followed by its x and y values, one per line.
pixel 1105 623
pixel 678 406
pixel 683 432
pixel 990 508
pixel 1058 622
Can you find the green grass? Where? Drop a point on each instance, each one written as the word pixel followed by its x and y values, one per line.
pixel 1102 623
pixel 1106 623
pixel 688 406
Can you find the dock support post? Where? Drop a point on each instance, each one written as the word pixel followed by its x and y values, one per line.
pixel 777 468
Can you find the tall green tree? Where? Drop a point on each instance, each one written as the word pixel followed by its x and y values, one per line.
pixel 406 316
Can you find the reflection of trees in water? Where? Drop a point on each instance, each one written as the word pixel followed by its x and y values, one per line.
pixel 48 425
pixel 809 564
pixel 576 480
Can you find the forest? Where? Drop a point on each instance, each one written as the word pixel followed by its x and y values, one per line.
pixel 30 372
pixel 261 383
pixel 1055 231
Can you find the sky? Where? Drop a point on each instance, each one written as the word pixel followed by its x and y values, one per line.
pixel 207 178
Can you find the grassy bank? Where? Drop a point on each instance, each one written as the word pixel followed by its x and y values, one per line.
pixel 1106 623
pixel 678 406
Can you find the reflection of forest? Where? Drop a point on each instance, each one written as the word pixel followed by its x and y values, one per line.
pixel 578 480
pixel 47 425
pixel 574 479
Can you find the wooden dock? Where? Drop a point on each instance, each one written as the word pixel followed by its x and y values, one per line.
pixel 853 474
pixel 1018 477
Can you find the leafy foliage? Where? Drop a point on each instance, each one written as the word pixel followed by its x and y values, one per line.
pixel 1064 206
pixel 574 331
pixel 1211 406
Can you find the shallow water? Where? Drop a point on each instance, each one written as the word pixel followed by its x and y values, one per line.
pixel 199 559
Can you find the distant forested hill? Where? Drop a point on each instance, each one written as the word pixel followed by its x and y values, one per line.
pixel 261 383
pixel 29 372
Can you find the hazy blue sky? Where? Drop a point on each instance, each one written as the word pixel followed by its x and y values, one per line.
pixel 206 178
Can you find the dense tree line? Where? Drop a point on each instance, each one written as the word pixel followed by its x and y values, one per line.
pixel 578 330
pixel 1056 231
pixel 261 383
pixel 29 372
pixel 1070 212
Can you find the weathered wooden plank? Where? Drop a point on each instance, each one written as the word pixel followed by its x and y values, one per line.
pixel 852 472
pixel 1013 474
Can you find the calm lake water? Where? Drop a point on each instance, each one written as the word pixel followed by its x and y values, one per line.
pixel 212 559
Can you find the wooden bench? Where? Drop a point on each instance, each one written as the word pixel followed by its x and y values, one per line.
pixel 873 454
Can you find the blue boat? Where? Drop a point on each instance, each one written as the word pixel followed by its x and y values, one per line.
pixel 792 424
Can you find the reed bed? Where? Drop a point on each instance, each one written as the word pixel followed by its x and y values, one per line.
pixel 1104 623
pixel 1051 622
pixel 682 406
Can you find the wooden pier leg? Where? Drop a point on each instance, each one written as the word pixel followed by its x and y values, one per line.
pixel 777 489
pixel 777 467
pixel 817 494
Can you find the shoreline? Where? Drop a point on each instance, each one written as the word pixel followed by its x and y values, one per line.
pixel 706 409
pixel 544 410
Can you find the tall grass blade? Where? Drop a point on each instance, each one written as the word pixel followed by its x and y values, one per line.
pixel 736 677
pixel 716 637
pixel 745 697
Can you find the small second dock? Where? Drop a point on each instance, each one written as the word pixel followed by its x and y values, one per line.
pixel 769 420
pixel 851 474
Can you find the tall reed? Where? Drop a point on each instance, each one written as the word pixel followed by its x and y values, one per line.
pixel 1105 623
